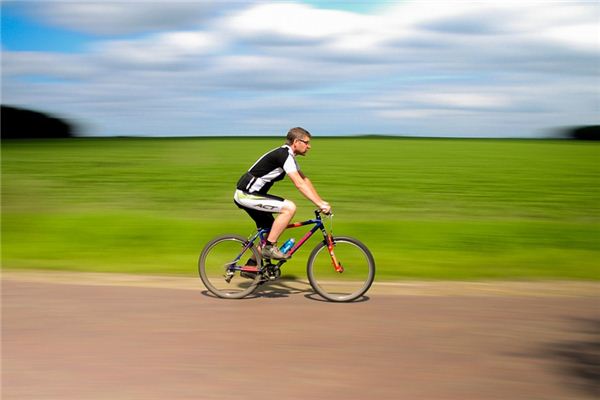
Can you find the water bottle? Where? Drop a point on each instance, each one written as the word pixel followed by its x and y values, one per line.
pixel 287 246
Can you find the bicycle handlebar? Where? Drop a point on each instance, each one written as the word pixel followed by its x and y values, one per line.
pixel 319 211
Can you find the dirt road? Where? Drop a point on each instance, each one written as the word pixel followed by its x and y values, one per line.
pixel 63 340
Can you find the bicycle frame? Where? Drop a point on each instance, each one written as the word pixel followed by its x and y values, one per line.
pixel 318 224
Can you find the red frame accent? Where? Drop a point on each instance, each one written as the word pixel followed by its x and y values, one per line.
pixel 329 240
pixel 318 225
pixel 301 242
pixel 336 264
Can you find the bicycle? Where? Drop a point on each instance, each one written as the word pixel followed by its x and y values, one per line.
pixel 340 269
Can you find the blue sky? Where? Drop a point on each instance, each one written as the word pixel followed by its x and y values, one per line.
pixel 20 32
pixel 420 68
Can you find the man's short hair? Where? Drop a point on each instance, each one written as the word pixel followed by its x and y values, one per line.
pixel 297 133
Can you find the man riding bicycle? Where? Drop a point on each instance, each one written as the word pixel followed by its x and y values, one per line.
pixel 251 193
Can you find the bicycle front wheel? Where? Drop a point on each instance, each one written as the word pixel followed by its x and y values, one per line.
pixel 220 265
pixel 349 284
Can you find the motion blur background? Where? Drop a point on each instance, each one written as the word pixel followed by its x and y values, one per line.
pixel 213 83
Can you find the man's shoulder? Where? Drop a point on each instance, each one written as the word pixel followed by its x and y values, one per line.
pixel 281 153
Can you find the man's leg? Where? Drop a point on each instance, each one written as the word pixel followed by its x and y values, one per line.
pixel 260 208
pixel 282 220
pixel 277 227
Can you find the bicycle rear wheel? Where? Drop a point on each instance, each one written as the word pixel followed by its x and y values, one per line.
pixel 219 267
pixel 358 270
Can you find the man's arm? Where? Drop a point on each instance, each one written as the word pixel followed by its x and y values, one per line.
pixel 306 187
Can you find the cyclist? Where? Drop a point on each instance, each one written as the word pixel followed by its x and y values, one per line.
pixel 251 193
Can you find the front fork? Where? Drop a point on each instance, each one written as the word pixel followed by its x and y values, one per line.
pixel 330 244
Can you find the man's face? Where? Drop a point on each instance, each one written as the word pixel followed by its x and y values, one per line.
pixel 301 146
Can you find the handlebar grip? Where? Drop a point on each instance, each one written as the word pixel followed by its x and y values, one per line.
pixel 319 211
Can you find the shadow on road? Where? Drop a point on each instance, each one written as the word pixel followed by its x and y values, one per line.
pixel 579 359
pixel 285 288
pixel 282 288
pixel 316 297
pixel 276 289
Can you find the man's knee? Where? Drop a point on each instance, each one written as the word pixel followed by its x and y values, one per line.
pixel 289 207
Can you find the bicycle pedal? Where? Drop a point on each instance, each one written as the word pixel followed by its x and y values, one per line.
pixel 228 276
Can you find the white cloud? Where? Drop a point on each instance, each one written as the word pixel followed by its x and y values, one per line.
pixel 160 49
pixel 52 65
pixel 291 20
pixel 464 100
pixel 125 17
pixel 580 36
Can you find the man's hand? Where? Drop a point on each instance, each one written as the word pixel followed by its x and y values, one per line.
pixel 325 208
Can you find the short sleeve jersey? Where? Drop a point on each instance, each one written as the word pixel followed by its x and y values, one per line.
pixel 270 168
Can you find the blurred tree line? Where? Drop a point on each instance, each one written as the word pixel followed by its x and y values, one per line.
pixel 591 132
pixel 19 123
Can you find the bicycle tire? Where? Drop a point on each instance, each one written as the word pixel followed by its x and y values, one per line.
pixel 213 264
pixel 358 275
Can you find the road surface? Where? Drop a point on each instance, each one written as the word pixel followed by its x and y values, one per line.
pixel 84 339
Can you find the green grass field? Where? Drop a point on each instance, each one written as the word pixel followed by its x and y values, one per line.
pixel 427 208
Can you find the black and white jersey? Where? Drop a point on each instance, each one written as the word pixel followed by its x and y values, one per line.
pixel 269 169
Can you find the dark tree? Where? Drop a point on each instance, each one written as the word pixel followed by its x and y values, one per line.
pixel 17 123
pixel 591 132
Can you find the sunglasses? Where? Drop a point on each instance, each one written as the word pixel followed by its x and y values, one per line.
pixel 304 141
